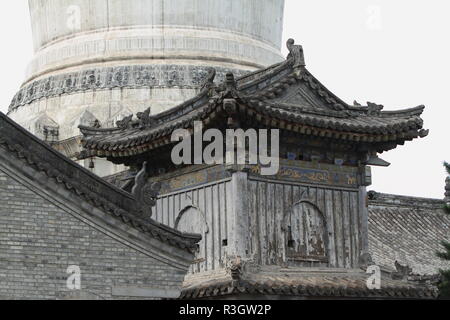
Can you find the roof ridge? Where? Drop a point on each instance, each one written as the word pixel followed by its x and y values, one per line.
pixel 160 117
pixel 415 111
pixel 262 95
pixel 119 204
pixel 404 200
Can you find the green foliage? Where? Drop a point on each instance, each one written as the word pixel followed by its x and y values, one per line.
pixel 445 255
pixel 447 208
pixel 447 167
pixel 444 285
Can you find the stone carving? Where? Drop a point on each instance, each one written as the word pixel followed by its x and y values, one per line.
pixel 296 53
pixel 401 271
pixel 365 260
pixel 374 109
pixel 230 87
pixel 145 193
pixel 140 76
pixel 125 123
pixel 239 268
pixel 230 83
pixel 235 269
pixel 209 81
pixel 372 195
pixel 145 120
pixel 96 124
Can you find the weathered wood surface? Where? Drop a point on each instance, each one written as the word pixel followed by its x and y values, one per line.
pixel 328 215
pixel 203 210
pixel 256 219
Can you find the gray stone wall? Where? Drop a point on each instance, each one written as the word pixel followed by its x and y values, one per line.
pixel 39 241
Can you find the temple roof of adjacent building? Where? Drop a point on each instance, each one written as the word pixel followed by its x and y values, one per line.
pixel 404 235
pixel 303 282
pixel 285 95
pixel 86 186
pixel 408 231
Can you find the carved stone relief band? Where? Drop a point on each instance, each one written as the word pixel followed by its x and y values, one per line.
pixel 134 77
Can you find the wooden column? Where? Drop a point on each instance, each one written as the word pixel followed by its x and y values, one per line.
pixel 238 219
pixel 366 178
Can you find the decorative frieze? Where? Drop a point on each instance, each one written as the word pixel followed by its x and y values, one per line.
pixel 138 76
pixel 193 179
pixel 314 173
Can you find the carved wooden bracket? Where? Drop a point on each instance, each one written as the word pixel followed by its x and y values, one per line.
pixel 145 193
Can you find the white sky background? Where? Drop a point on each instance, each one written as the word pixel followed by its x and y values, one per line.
pixel 395 53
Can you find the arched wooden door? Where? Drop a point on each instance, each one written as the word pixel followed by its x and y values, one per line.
pixel 191 220
pixel 306 236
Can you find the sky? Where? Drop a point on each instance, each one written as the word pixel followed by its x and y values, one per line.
pixel 394 53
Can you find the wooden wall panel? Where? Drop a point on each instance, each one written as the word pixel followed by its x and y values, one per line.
pixel 213 201
pixel 270 202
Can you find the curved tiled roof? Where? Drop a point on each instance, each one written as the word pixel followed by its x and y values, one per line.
pixel 266 96
pixel 308 284
pixel 408 230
